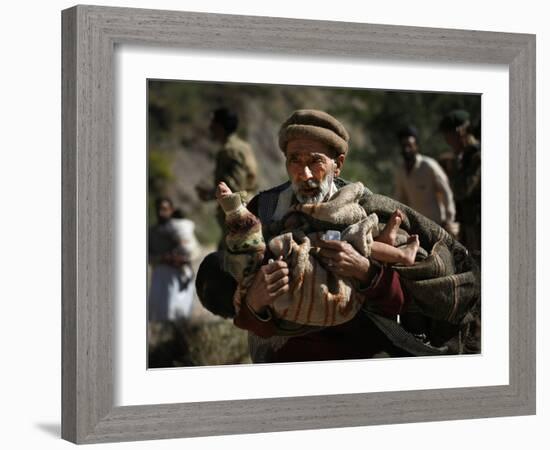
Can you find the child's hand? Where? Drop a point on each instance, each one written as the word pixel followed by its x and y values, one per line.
pixel 222 190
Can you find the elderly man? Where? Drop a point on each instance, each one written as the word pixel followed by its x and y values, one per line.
pixel 421 183
pixel 439 290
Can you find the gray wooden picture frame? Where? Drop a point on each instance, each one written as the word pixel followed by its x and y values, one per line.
pixel 90 34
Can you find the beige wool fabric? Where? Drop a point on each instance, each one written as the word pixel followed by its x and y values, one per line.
pixel 316 296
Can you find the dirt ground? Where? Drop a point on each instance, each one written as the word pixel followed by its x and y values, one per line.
pixel 203 339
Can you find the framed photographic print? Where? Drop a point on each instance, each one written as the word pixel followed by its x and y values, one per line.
pixel 187 122
pixel 143 91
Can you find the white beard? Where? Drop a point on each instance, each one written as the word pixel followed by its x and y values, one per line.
pixel 323 186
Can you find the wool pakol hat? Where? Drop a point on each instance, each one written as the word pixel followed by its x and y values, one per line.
pixel 314 124
pixel 454 119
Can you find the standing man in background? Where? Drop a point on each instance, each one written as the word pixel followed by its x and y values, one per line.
pixel 465 177
pixel 236 164
pixel 421 183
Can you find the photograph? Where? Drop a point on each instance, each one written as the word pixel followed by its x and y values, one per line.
pixel 290 223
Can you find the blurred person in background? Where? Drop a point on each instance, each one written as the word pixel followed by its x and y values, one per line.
pixel 171 289
pixel 189 248
pixel 170 293
pixel 421 183
pixel 465 176
pixel 236 163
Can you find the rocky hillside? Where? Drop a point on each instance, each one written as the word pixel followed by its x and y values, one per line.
pixel 181 154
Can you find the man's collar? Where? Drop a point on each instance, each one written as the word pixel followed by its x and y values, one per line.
pixel 332 190
pixel 416 163
pixel 283 203
pixel 230 138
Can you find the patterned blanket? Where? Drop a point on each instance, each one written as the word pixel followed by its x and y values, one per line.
pixel 443 285
pixel 316 296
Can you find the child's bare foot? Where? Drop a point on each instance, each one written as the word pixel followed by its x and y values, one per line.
pixel 410 250
pixel 222 190
pixel 389 234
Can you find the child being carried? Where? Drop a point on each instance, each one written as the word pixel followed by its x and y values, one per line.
pixel 316 296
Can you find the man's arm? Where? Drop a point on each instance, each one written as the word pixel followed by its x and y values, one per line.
pixel 379 285
pixel 270 282
pixel 472 180
pixel 443 188
pixel 343 260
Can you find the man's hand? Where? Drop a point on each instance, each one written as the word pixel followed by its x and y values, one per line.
pixel 270 282
pixel 343 260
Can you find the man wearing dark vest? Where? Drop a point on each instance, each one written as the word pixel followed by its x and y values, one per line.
pixel 465 176
pixel 416 310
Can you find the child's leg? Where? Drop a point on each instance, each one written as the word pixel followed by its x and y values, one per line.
pixel 389 254
pixel 389 233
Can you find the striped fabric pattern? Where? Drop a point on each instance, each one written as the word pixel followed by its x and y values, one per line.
pixel 316 296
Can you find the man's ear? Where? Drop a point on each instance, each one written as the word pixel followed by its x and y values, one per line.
pixel 339 161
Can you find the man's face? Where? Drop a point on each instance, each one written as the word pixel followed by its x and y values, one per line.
pixel 311 169
pixel 409 148
pixel 164 211
pixel 455 139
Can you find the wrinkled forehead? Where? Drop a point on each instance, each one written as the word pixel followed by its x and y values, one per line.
pixel 306 149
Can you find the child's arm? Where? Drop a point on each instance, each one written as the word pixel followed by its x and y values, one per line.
pixel 222 191
pixel 244 240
